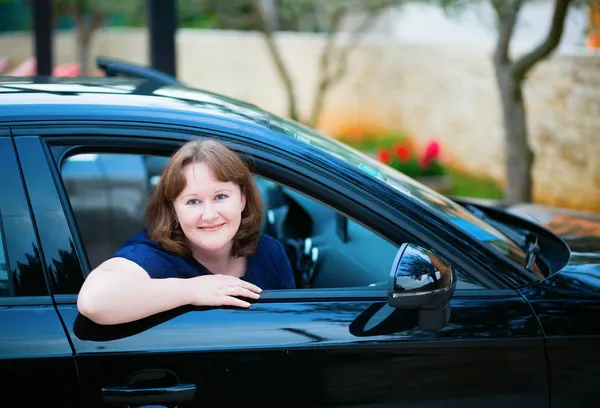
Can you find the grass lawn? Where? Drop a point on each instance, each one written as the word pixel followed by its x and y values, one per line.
pixel 469 186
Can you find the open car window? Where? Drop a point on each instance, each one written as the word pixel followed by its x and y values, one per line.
pixel 439 204
pixel 108 193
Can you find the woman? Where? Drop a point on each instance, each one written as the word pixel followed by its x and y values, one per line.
pixel 202 244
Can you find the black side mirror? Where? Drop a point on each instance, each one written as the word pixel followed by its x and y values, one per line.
pixel 422 280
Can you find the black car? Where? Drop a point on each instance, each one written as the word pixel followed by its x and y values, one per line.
pixel 404 297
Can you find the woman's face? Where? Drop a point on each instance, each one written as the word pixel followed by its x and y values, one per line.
pixel 209 211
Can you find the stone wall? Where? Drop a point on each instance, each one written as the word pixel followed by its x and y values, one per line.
pixel 442 91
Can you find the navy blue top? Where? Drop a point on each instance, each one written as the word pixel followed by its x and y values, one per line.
pixel 268 267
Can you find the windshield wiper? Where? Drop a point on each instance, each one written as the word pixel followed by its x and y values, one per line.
pixel 532 251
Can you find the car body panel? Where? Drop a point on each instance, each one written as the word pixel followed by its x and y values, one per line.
pixel 62 263
pixel 95 98
pixel 36 358
pixel 568 304
pixel 326 353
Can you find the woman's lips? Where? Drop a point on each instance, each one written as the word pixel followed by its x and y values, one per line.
pixel 211 228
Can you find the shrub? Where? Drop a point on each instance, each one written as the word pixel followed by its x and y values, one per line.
pixel 406 158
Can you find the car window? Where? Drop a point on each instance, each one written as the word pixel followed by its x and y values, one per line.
pixel 109 193
pixel 441 205
pixel 5 289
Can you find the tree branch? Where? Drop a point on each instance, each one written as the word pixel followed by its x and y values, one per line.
pixel 328 79
pixel 332 32
pixel 284 74
pixel 520 67
pixel 507 19
pixel 87 30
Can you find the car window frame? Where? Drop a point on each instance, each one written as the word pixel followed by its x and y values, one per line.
pixel 10 167
pixel 61 152
pixel 124 142
pixel 399 216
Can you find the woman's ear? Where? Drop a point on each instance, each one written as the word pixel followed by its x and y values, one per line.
pixel 243 198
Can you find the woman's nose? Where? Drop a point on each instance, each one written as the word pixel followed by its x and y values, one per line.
pixel 209 212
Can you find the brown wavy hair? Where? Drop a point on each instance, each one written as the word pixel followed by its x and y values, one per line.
pixel 225 165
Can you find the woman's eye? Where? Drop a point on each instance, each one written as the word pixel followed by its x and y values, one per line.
pixel 192 201
pixel 219 197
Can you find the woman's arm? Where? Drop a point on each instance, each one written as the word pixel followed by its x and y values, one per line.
pixel 120 291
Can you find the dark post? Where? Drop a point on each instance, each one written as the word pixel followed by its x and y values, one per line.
pixel 42 18
pixel 162 23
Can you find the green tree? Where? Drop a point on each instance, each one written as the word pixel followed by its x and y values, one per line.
pixel 511 73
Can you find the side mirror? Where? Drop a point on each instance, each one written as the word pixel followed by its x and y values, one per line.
pixel 422 280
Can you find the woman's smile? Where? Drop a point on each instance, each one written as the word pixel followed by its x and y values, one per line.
pixel 210 228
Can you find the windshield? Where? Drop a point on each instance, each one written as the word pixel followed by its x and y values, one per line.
pixel 439 204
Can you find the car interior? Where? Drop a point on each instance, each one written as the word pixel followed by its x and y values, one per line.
pixel 108 193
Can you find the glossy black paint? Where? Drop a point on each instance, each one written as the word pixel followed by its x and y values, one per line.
pixel 62 263
pixel 567 305
pixel 534 347
pixel 22 250
pixel 36 359
pixel 327 353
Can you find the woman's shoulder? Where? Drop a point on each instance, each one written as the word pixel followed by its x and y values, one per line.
pixel 141 242
pixel 152 257
pixel 270 264
pixel 141 248
pixel 267 245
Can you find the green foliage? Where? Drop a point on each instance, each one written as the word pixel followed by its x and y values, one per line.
pixel 325 16
pixel 373 142
pixel 464 185
pixel 14 16
pixel 110 12
pixel 398 151
pixel 198 13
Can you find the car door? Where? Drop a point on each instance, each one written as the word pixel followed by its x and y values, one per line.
pixel 305 347
pixel 36 360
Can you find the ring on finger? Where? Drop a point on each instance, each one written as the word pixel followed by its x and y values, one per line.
pixel 231 290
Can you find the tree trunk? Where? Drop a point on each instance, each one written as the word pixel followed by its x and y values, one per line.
pixel 82 55
pixel 519 156
pixel 83 41
pixel 318 104
pixel 267 30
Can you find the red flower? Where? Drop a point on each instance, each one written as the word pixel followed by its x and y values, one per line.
pixel 433 149
pixel 402 152
pixel 384 156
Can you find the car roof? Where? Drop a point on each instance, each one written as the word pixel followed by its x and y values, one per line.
pixel 44 98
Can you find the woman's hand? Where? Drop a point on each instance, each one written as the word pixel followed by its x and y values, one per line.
pixel 221 290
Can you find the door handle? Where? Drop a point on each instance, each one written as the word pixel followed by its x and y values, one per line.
pixel 148 396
